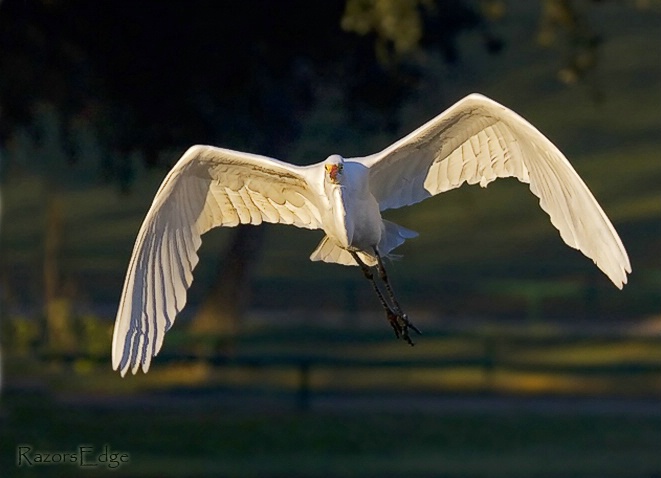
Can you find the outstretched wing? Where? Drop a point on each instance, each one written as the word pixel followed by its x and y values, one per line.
pixel 208 187
pixel 478 140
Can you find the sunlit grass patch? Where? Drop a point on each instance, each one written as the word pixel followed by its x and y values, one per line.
pixel 593 352
pixel 537 359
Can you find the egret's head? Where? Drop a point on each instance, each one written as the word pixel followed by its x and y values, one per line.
pixel 334 166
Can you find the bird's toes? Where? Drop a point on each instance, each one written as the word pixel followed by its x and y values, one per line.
pixel 394 323
pixel 407 338
pixel 409 324
pixel 401 324
pixel 405 325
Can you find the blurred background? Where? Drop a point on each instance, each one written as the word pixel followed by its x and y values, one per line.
pixel 531 362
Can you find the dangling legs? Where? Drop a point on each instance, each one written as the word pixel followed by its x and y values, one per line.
pixel 384 277
pixel 370 277
pixel 397 319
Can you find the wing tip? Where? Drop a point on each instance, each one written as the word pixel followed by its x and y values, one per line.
pixel 624 280
pixel 116 368
pixel 134 367
pixel 479 97
pixel 620 278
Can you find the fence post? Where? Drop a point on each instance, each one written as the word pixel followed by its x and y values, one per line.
pixel 303 398
pixel 489 362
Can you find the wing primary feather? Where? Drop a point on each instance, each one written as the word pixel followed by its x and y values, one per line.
pixel 178 271
pixel 168 273
pixel 149 323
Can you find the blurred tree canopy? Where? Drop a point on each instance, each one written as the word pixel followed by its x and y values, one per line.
pixel 158 75
pixel 152 76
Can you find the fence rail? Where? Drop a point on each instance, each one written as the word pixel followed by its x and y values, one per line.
pixel 491 355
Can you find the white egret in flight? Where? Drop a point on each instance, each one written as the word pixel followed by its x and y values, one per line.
pixel 475 141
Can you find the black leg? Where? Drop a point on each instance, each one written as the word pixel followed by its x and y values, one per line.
pixel 384 277
pixel 370 277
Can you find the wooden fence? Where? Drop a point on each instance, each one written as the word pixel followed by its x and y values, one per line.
pixel 623 359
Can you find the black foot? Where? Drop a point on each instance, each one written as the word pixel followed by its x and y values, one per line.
pixel 401 325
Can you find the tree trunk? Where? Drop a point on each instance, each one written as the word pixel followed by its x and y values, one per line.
pixel 57 308
pixel 219 315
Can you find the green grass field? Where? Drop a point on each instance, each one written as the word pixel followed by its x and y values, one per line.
pixel 212 441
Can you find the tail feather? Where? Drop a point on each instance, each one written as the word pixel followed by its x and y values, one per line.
pixel 329 251
pixel 394 236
